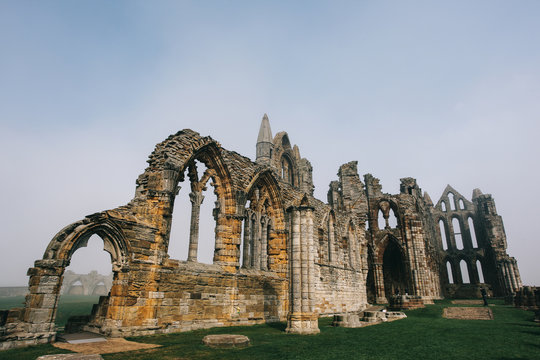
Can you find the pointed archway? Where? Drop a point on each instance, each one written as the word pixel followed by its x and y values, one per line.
pixel 394 271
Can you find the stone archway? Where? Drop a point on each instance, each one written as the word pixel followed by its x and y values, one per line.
pixel 47 274
pixel 394 271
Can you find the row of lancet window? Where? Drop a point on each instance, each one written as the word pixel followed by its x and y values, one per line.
pixel 256 239
pixel 458 234
pixel 465 272
pixel 452 203
pixel 345 251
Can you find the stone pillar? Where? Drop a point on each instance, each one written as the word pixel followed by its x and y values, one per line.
pixel 302 319
pixel 247 237
pixel 264 244
pixel 256 244
pixel 512 276
pixel 196 199
pixel 378 277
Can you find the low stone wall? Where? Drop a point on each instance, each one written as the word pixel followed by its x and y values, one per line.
pixel 339 290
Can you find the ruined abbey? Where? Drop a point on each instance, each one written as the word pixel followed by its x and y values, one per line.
pixel 280 254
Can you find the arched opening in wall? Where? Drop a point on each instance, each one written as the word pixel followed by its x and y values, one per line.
pixel 464 272
pixel 472 232
pixel 88 263
pixel 381 222
pixel 392 219
pixel 395 279
pixel 452 201
pixel 180 222
pixel 193 225
pixel 457 234
pixel 442 229
pixel 76 288
pixel 208 220
pixel 371 292
pixel 443 206
pixel 449 271
pixel 100 289
pixel 287 170
pixel 480 271
pixel 461 204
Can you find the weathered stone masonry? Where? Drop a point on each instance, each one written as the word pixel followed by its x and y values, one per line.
pixel 280 254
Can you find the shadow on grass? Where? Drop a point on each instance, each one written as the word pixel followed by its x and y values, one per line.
pixel 281 326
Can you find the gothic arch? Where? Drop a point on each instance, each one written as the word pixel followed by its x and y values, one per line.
pixel 76 235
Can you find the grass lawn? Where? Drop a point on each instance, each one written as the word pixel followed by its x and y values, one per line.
pixel 423 335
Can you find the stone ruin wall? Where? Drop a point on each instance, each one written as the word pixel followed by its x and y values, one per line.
pixel 280 254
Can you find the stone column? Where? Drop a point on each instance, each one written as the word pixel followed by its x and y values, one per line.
pixel 378 277
pixel 302 319
pixel 245 256
pixel 264 243
pixel 256 243
pixel 512 276
pixel 196 199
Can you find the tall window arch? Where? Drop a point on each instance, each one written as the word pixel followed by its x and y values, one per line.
pixel 442 228
pixel 457 233
pixel 472 232
pixel 464 272
pixel 480 271
pixel 449 271
pixel 287 170
pixel 452 201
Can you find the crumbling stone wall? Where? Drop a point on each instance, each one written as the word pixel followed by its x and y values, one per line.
pixel 279 253
pixel 472 239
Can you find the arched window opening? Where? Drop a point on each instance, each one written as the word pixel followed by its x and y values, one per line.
pixel 461 204
pixel 100 289
pixel 381 222
pixel 449 271
pixel 464 272
pixel 480 271
pixel 86 265
pixel 452 201
pixel 207 228
pixel 443 206
pixel 442 228
pixel 366 225
pixel 286 170
pixel 457 234
pixel 76 288
pixel 472 232
pixel 392 219
pixel 195 213
pixel 180 222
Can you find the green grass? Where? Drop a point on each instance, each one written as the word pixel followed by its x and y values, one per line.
pixel 423 335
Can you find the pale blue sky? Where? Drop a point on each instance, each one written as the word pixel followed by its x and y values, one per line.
pixel 446 92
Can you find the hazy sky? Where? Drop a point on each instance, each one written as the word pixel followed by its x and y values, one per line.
pixel 446 92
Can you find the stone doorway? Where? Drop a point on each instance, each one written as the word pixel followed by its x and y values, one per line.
pixel 395 279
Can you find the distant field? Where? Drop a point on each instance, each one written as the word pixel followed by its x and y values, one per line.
pixel 424 334
pixel 69 305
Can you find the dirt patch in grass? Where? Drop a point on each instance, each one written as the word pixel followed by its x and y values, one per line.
pixel 105 347
pixel 467 302
pixel 468 313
